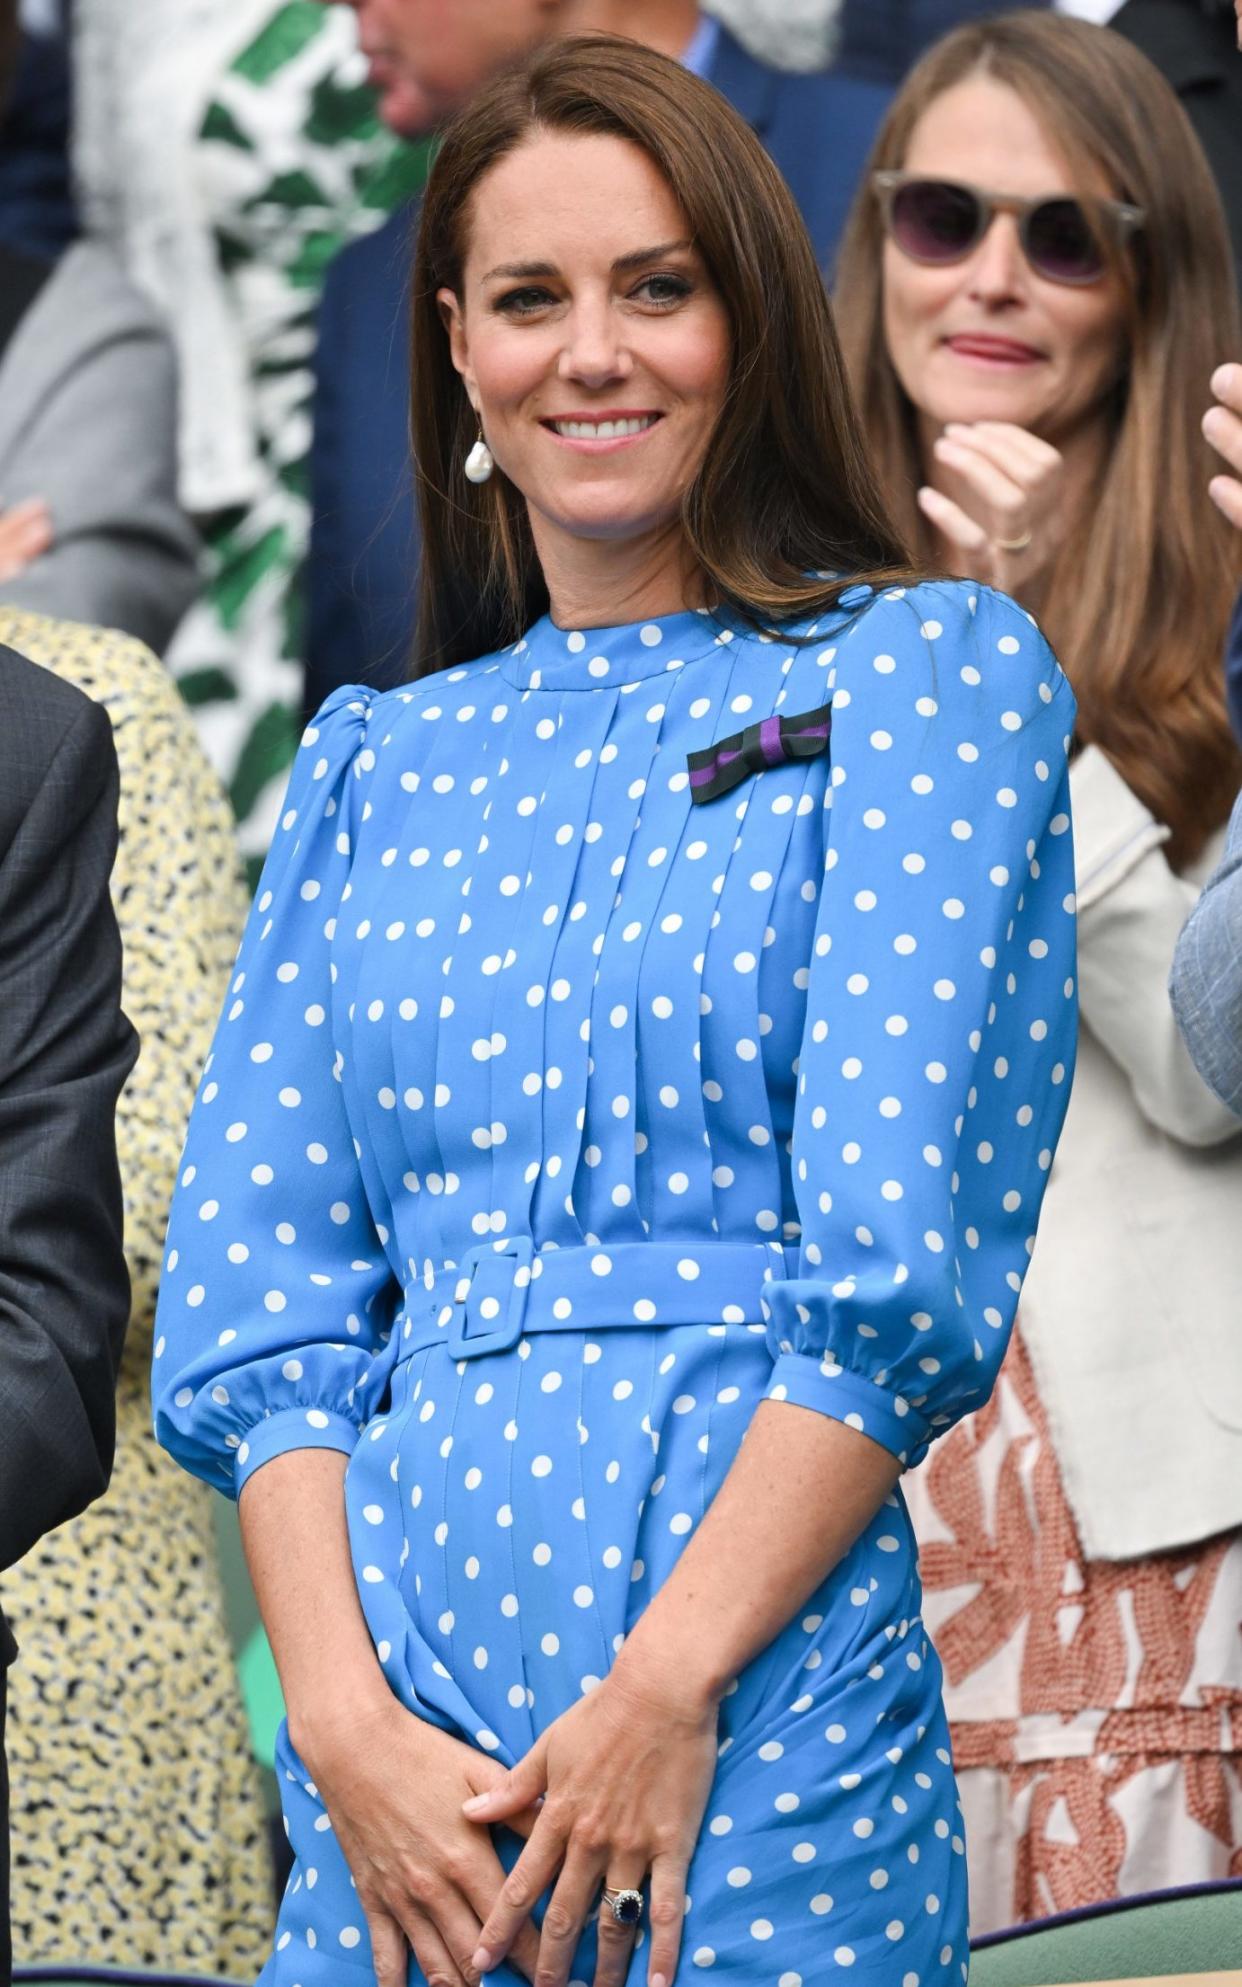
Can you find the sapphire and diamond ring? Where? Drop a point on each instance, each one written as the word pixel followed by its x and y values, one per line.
pixel 626 1906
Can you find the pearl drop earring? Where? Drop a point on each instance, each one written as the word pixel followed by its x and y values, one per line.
pixel 480 462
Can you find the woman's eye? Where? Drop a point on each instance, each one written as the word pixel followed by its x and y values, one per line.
pixel 665 289
pixel 521 303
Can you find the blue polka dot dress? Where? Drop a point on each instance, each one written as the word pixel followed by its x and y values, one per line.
pixel 557 1116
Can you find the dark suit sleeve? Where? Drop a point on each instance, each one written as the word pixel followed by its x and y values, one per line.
pixel 361 573
pixel 65 1051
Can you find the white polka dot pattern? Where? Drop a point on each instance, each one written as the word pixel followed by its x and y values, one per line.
pixel 505 986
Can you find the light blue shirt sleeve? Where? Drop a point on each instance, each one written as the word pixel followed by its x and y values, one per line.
pixel 263 1346
pixel 926 1119
pixel 700 53
pixel 1206 982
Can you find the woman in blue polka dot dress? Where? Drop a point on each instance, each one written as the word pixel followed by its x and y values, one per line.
pixel 624 1140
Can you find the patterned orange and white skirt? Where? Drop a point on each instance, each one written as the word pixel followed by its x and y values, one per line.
pixel 1096 1707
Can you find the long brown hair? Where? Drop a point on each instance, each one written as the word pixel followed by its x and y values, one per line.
pixel 784 496
pixel 1138 603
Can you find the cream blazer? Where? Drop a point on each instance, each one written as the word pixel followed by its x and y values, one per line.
pixel 1132 1309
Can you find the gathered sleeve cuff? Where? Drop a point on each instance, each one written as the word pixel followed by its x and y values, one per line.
pixel 292 1428
pixel 830 1388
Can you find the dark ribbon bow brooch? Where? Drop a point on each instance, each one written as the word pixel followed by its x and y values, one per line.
pixel 772 742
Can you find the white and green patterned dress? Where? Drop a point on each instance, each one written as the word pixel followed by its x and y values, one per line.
pixel 229 148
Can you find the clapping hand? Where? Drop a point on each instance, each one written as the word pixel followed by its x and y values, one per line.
pixel 1004 520
pixel 1222 425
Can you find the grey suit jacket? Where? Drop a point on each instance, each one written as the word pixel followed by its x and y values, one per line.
pixel 65 1051
pixel 88 422
pixel 1206 985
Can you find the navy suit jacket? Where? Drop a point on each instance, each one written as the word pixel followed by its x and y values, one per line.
pixel 884 38
pixel 65 1051
pixel 37 213
pixel 360 585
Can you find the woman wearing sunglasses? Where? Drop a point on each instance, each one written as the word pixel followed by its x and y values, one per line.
pixel 1034 291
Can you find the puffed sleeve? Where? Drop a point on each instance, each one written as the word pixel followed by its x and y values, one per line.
pixel 276 1295
pixel 941 1015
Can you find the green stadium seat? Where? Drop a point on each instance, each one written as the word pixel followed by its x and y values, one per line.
pixel 1195 1930
pixel 255 1668
pixel 261 1694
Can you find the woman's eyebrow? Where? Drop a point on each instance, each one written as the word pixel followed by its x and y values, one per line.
pixel 636 259
pixel 639 256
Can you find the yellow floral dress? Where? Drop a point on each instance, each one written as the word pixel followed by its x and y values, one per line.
pixel 137 1816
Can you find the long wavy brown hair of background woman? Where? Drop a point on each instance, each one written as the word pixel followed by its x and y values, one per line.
pixel 1138 601
pixel 785 493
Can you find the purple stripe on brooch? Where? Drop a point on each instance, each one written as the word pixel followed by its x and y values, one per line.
pixel 774 741
pixel 770 743
pixel 719 760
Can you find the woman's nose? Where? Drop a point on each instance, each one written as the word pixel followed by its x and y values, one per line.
pixel 594 352
pixel 998 266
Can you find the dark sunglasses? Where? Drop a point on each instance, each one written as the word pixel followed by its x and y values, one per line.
pixel 943 221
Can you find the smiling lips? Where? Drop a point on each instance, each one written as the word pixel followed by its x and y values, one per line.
pixel 601 431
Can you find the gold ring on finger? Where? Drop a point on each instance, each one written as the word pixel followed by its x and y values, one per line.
pixel 1014 544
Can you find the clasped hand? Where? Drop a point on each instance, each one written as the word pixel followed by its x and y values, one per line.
pixel 613 1792
pixel 624 1777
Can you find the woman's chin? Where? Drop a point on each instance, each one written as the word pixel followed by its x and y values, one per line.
pixel 605 515
pixel 980 400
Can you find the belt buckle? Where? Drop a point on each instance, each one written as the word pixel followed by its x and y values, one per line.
pixel 489 1318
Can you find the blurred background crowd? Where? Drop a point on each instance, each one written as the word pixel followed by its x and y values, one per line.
pixel 207 211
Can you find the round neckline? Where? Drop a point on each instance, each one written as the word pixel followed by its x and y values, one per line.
pixel 552 658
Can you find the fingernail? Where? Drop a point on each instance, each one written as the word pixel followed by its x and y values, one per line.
pixel 475 1802
pixel 657 1980
pixel 481 1960
pixel 1220 378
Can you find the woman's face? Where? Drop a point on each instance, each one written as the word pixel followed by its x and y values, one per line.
pixel 589 336
pixel 986 339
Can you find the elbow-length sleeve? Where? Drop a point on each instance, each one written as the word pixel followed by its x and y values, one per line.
pixel 941 1015
pixel 277 1294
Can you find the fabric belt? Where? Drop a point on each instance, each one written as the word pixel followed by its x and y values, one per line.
pixel 500 1292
